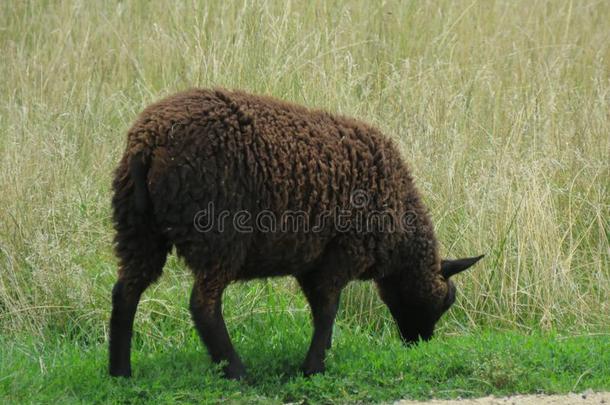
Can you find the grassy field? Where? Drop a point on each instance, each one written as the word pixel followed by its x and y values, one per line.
pixel 500 107
pixel 361 368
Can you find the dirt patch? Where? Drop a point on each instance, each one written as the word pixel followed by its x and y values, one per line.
pixel 588 398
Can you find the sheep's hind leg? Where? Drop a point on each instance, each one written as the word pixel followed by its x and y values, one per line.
pixel 323 297
pixel 206 310
pixel 139 268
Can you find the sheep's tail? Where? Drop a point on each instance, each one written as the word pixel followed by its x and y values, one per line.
pixel 138 171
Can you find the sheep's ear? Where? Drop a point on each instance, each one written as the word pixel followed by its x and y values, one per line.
pixel 452 267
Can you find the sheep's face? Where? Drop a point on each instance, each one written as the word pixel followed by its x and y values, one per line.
pixel 415 315
pixel 418 316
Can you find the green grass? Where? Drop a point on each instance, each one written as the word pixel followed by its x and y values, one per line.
pixel 361 368
pixel 500 107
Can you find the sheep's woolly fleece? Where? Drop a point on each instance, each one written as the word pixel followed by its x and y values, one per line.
pixel 238 151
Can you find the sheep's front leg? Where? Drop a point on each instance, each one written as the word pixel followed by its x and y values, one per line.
pixel 323 297
pixel 206 310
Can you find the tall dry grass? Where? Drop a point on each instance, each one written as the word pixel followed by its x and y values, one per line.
pixel 501 108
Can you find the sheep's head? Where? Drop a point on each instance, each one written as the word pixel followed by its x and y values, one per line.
pixel 450 268
pixel 417 312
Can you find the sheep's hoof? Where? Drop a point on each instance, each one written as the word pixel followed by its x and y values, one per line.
pixel 235 372
pixel 309 370
pixel 126 373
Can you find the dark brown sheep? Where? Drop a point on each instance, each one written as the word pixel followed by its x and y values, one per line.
pixel 205 152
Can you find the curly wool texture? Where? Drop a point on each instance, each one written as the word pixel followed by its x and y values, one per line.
pixel 240 152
